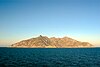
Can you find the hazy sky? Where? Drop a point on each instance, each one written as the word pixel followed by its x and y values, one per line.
pixel 23 19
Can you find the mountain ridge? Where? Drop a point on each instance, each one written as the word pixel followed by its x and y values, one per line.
pixel 53 42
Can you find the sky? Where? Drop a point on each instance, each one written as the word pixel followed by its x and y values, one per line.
pixel 24 19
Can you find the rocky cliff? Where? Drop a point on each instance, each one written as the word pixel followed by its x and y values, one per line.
pixel 45 42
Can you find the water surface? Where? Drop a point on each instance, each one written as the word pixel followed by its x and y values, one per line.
pixel 49 57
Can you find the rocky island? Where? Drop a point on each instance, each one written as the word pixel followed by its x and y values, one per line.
pixel 45 42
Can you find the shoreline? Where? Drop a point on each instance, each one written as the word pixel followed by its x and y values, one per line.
pixel 50 48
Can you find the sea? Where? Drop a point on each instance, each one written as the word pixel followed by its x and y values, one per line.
pixel 49 57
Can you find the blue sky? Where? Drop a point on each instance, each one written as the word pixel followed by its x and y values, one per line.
pixel 23 19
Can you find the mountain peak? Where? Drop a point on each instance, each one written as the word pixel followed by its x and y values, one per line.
pixel 40 36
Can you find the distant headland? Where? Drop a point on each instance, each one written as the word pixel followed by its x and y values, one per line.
pixel 53 42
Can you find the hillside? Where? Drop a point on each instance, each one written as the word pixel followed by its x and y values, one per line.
pixel 45 42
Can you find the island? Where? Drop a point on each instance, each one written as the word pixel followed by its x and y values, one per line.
pixel 53 42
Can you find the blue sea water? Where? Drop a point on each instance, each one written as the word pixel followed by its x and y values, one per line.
pixel 49 57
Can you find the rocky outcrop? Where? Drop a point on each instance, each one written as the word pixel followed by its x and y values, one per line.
pixel 45 42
